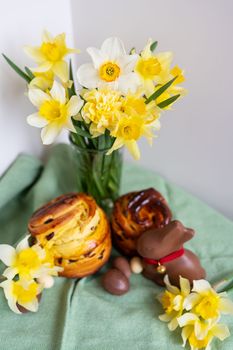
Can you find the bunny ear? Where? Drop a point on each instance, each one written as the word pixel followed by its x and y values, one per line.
pixel 188 234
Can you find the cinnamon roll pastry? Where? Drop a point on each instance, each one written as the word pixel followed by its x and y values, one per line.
pixel 75 231
pixel 133 214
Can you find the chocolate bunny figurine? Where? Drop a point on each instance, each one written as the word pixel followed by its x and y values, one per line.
pixel 162 253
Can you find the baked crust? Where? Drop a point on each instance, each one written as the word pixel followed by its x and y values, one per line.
pixel 133 214
pixel 75 231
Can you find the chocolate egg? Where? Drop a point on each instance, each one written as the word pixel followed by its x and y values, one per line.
pixel 115 282
pixel 122 264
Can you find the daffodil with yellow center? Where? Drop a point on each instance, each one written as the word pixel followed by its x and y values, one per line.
pixel 134 104
pixel 27 262
pixel 23 293
pixel 200 333
pixel 127 131
pixel 206 303
pixel 102 108
pixel 172 301
pixel 54 111
pixel 50 55
pixel 111 67
pixel 152 69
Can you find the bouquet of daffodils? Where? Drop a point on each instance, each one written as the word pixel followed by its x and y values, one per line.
pixel 121 96
pixel 29 270
pixel 197 312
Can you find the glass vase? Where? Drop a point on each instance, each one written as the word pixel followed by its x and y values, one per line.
pixel 99 174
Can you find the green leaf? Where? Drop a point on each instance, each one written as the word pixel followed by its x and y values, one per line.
pixel 168 101
pixel 17 69
pixel 153 46
pixel 79 130
pixel 71 76
pixel 29 73
pixel 71 90
pixel 160 91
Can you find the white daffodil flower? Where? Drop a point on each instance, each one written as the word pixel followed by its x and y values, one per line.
pixel 22 293
pixel 54 111
pixel 111 67
pixel 27 262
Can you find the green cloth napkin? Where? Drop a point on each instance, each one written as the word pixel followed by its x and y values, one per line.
pixel 80 315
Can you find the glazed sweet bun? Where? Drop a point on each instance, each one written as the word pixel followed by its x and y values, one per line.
pixel 133 214
pixel 75 231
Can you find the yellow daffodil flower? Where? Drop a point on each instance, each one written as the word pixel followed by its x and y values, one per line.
pixel 206 302
pixel 50 55
pixel 23 293
pixel 43 81
pixel 54 111
pixel 153 69
pixel 127 131
pixel 199 333
pixel 172 301
pixel 27 262
pixel 102 108
pixel 110 66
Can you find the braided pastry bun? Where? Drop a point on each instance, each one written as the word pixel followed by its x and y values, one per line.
pixel 133 214
pixel 75 231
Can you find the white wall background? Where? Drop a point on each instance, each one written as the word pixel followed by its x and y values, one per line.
pixel 195 146
pixel 21 23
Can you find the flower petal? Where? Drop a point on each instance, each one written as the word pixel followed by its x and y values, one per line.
pixel 133 149
pixel 49 133
pixel 46 36
pixel 113 48
pixel 127 63
pixel 43 67
pixel 128 82
pixel 7 288
pixel 187 319
pixel 201 330
pixel 171 288
pixel 10 272
pixel 191 300
pixel 185 334
pixel 173 324
pixel 58 92
pixel 74 105
pixel 184 286
pixel 220 331
pixel 23 244
pixel 177 301
pixel 12 305
pixel 87 76
pixel 97 57
pixel 61 69
pixel 69 125
pixel 36 120
pixel 7 254
pixel 118 143
pixel 226 306
pixel 201 286
pixel 32 306
pixel 35 53
pixel 165 317
pixel 37 97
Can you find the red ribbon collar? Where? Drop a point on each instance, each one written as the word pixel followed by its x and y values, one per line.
pixel 165 259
